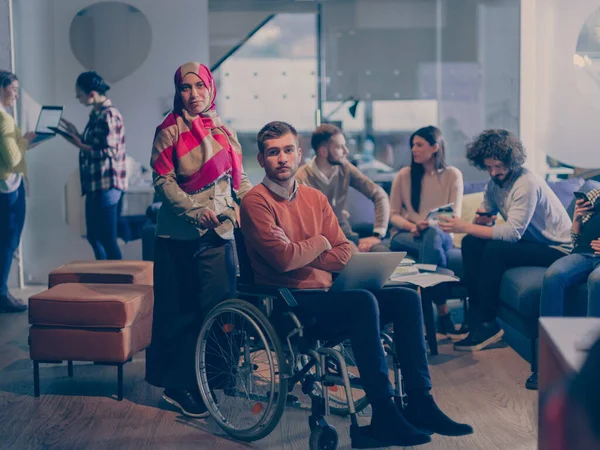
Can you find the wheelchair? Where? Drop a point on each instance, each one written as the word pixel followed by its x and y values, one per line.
pixel 251 353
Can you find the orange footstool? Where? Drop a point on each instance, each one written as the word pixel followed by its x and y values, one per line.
pixel 103 323
pixel 110 271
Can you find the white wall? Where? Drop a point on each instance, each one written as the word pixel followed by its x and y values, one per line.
pixel 566 118
pixel 47 70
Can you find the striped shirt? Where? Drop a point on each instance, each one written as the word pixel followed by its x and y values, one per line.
pixel 103 168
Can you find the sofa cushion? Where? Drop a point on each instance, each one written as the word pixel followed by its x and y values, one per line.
pixel 521 288
pixel 114 272
pixel 564 189
pixel 474 187
pixel 91 305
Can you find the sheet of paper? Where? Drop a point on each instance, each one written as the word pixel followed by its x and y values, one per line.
pixel 423 280
pixel 426 267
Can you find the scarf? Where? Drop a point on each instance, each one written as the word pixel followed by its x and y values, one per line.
pixel 197 148
pixel 594 199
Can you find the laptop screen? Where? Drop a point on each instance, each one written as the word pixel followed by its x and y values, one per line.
pixel 49 117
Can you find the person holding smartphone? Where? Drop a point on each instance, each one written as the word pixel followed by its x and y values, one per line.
pixel 102 168
pixel 536 231
pixel 427 184
pixel 12 186
pixel 581 265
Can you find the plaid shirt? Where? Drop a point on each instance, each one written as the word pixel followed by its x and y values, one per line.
pixel 104 167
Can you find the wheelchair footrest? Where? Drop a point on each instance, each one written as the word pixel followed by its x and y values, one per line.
pixel 360 438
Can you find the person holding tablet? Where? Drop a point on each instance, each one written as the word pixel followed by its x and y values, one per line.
pixel 12 186
pixel 427 184
pixel 101 164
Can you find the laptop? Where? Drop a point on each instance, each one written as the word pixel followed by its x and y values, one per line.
pixel 368 271
pixel 49 118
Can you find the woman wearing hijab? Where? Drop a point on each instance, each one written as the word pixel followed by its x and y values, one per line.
pixel 101 164
pixel 197 163
pixel 12 187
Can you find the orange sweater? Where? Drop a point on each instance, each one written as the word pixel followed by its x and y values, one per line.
pixel 304 262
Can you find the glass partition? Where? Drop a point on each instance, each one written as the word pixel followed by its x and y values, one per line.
pixel 273 76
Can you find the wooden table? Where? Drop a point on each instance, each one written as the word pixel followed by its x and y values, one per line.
pixel 559 353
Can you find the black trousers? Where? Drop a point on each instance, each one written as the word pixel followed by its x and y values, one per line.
pixel 360 314
pixel 190 278
pixel 485 262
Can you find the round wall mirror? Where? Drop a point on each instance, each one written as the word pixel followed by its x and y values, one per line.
pixel 112 38
pixel 587 59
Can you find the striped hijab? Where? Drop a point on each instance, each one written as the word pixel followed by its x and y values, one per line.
pixel 198 149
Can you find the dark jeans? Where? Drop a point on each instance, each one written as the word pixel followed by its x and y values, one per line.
pixel 12 218
pixel 360 314
pixel 186 287
pixel 485 262
pixel 101 220
pixel 431 247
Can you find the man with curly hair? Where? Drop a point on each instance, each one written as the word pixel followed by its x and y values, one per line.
pixel 536 231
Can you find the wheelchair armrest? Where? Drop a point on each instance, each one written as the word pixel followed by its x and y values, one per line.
pixel 268 291
pixel 285 294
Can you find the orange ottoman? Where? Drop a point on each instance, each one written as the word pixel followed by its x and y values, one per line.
pixel 103 323
pixel 108 271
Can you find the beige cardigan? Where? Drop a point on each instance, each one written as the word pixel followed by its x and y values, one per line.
pixel 437 190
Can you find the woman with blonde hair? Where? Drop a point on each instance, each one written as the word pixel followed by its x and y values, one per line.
pixel 12 186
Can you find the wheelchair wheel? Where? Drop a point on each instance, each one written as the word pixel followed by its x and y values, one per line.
pixel 338 401
pixel 241 370
pixel 323 438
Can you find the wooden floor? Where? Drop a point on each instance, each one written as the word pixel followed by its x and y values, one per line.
pixel 485 390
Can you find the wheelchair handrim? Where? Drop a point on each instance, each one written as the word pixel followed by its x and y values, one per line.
pixel 202 379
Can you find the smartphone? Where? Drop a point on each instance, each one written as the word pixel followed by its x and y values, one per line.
pixel 581 195
pixel 445 211
pixel 485 213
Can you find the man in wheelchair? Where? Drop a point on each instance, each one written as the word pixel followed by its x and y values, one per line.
pixel 293 240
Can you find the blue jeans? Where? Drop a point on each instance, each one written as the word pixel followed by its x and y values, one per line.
pixel 101 219
pixel 360 315
pixel 12 218
pixel 431 247
pixel 566 272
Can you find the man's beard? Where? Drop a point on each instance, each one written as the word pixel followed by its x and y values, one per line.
pixel 334 162
pixel 503 180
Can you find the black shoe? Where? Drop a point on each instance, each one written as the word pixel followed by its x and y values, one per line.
pixel 446 326
pixel 189 402
pixel 390 428
pixel 423 413
pixel 10 304
pixel 480 337
pixel 532 382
